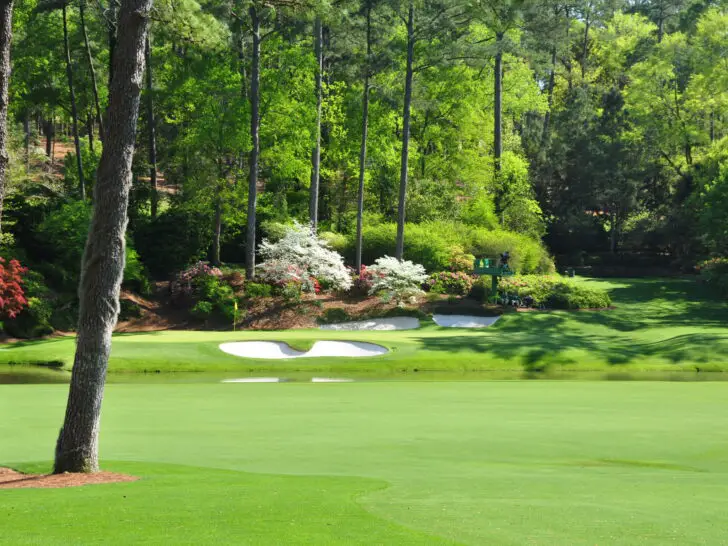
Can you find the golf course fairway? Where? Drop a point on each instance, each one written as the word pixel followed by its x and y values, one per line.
pixel 499 462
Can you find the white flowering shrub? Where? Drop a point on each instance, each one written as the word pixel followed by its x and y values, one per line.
pixel 302 257
pixel 398 280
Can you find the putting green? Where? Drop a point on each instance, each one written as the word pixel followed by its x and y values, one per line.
pixel 657 324
pixel 383 463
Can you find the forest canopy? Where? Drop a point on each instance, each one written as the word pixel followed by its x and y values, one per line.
pixel 585 127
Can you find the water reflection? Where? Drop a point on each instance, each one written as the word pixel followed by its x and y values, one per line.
pixel 35 376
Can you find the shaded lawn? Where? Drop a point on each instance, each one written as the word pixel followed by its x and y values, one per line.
pixel 505 463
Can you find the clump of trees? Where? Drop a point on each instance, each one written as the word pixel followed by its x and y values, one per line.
pixel 588 127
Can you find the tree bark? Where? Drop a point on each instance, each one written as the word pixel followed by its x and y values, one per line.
pixel 74 112
pixel 103 260
pixel 399 253
pixel 112 22
pixel 585 47
pixel 152 129
pixel 26 129
pixel 497 116
pixel 49 130
pixel 90 129
pixel 363 149
pixel 217 227
pixel 89 56
pixel 316 153
pixel 6 36
pixel 255 150
pixel 552 83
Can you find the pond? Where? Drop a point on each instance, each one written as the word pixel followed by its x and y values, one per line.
pixel 46 376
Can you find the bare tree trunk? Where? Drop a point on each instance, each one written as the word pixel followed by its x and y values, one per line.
pixel 316 153
pixel 152 128
pixel 103 260
pixel 399 253
pixel 112 23
pixel 94 85
pixel 90 129
pixel 363 149
pixel 74 113
pixel 552 83
pixel 6 36
pixel 26 128
pixel 254 129
pixel 498 124
pixel 49 130
pixel 585 47
pixel 218 226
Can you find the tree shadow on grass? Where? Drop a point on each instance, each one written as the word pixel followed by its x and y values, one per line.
pixel 639 304
pixel 536 351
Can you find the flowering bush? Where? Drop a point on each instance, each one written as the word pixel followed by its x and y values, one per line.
pixel 184 282
pixel 279 273
pixel 451 282
pixel 300 256
pixel 204 284
pixel 461 260
pixel 715 273
pixel 395 279
pixel 12 296
pixel 361 281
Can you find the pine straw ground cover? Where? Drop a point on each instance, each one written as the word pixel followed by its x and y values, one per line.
pixel 549 463
pixel 655 325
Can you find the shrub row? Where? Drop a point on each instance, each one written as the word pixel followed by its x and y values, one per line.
pixel 715 273
pixel 439 245
pixel 555 292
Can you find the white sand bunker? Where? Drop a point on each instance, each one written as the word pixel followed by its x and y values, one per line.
pixel 254 380
pixel 277 349
pixel 463 321
pixel 394 323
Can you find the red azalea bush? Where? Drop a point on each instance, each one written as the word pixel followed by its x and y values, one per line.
pixel 12 295
pixel 184 282
pixel 361 281
pixel 456 283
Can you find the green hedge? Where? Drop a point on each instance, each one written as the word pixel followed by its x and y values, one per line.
pixel 555 292
pixel 431 244
pixel 715 273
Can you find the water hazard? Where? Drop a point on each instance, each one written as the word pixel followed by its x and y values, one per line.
pixel 29 375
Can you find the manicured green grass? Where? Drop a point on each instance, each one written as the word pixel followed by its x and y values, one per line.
pixel 503 463
pixel 657 324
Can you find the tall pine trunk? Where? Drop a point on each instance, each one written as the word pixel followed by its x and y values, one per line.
pixel 151 128
pixel 217 228
pixel 103 259
pixel 74 112
pixel 26 129
pixel 316 153
pixel 49 130
pixel 585 48
pixel 255 150
pixel 6 36
pixel 363 149
pixel 112 22
pixel 90 130
pixel 399 253
pixel 498 124
pixel 89 56
pixel 550 95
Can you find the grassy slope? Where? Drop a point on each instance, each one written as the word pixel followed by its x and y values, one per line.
pixel 505 463
pixel 657 324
